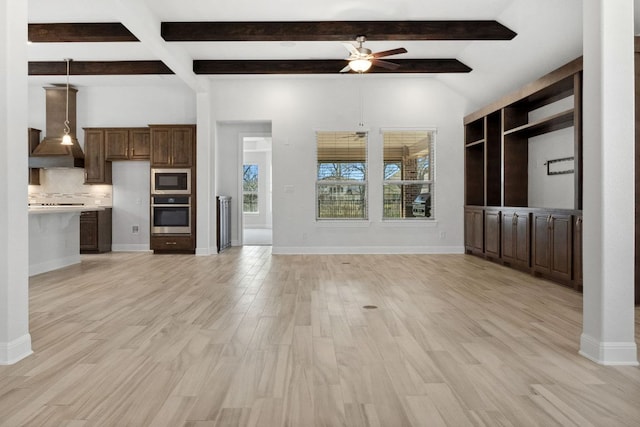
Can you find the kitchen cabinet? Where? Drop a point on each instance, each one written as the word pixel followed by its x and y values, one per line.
pixel 492 233
pixel 33 137
pixel 96 168
pixel 552 245
pixel 577 252
pixel 172 244
pixel 127 143
pixel 516 238
pixel 474 230
pixel 172 145
pixel 95 231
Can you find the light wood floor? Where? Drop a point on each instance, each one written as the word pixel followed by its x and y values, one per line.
pixel 250 339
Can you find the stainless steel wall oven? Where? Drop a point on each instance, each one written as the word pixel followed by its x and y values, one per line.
pixel 170 215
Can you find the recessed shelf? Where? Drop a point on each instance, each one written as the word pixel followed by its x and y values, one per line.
pixel 548 124
pixel 471 144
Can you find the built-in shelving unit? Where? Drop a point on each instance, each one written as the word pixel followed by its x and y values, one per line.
pixel 500 222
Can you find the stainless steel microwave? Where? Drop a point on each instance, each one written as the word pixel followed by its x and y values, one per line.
pixel 170 181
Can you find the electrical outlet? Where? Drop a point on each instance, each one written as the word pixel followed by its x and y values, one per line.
pixel 443 235
pixel 135 229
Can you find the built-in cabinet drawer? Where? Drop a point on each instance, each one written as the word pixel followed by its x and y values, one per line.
pixel 172 244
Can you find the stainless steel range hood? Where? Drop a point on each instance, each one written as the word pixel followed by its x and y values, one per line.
pixel 50 153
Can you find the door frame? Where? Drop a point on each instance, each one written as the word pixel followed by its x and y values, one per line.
pixel 239 190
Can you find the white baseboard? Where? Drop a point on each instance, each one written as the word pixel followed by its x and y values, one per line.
pixel 43 267
pixel 130 247
pixel 357 250
pixel 206 251
pixel 609 353
pixel 16 350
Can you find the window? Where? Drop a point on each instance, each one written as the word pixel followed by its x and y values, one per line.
pixel 341 189
pixel 408 174
pixel 250 189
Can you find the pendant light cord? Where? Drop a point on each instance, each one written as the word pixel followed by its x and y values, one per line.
pixel 361 96
pixel 67 129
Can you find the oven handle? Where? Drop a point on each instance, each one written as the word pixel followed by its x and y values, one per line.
pixel 170 206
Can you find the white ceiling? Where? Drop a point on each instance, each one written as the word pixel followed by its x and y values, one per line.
pixel 549 35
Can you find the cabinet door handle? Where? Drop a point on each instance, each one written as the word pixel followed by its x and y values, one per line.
pixel 579 223
pixel 170 243
pixel 514 219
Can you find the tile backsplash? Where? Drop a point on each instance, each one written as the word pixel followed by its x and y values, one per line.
pixel 67 186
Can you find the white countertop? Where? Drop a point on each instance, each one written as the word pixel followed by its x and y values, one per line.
pixel 62 209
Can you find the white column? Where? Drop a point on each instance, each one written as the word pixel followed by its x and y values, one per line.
pixel 206 197
pixel 15 341
pixel 608 205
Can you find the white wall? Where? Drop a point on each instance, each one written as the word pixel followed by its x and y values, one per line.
pixel 550 191
pixel 121 106
pixel 131 182
pixel 300 106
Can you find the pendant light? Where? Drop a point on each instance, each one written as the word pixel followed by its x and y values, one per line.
pixel 66 139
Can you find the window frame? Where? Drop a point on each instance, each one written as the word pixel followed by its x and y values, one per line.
pixel 255 193
pixel 402 182
pixel 363 183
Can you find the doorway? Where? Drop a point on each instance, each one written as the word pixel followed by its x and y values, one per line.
pixel 255 190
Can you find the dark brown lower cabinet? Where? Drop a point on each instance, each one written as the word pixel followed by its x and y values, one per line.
pixel 516 238
pixel 173 244
pixel 95 231
pixel 553 245
pixel 474 230
pixel 492 233
pixel 577 252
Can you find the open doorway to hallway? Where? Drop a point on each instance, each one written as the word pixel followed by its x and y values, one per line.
pixel 255 190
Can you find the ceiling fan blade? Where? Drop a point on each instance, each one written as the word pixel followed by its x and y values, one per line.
pixel 389 52
pixel 346 69
pixel 351 48
pixel 385 64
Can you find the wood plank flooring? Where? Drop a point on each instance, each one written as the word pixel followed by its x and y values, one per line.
pixel 250 339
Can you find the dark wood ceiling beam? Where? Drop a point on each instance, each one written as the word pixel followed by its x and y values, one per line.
pixel 322 66
pixel 97 68
pixel 80 32
pixel 335 30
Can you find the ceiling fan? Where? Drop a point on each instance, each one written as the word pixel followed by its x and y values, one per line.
pixel 361 58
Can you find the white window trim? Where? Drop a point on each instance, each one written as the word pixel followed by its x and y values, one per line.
pixel 432 181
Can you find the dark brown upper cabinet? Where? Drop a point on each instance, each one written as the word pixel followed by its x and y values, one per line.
pixel 173 145
pixel 127 143
pixel 96 168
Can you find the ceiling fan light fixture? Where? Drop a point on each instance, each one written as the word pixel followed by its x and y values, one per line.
pixel 360 65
